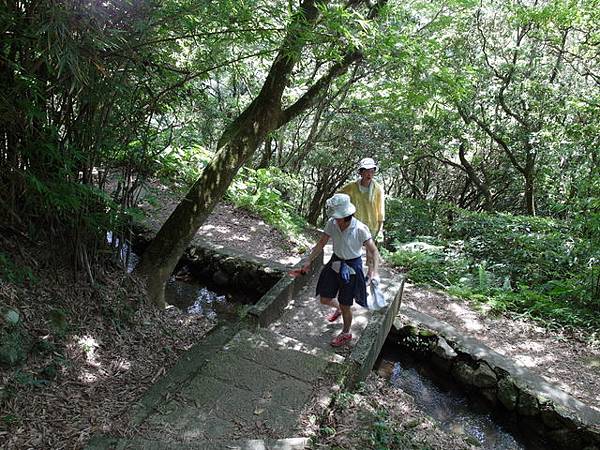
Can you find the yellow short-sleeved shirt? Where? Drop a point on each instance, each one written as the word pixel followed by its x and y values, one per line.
pixel 369 210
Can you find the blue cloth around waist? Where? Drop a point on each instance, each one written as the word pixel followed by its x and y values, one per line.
pixel 360 288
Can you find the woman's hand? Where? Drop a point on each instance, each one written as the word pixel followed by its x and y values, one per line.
pixel 294 273
pixel 371 275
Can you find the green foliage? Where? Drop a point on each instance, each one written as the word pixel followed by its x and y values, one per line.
pixel 409 218
pixel 344 399
pixel 29 379
pixel 11 349
pixel 59 321
pixel 527 250
pixel 182 165
pixel 266 192
pixel 327 431
pixel 14 339
pixel 427 267
pixel 539 267
pixel 12 273
pixel 384 434
pixel 11 420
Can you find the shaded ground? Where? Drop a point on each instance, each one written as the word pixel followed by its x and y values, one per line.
pixel 92 351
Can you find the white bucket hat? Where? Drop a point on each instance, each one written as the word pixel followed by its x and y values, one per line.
pixel 339 206
pixel 367 163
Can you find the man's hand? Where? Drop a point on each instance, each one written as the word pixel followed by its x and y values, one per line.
pixel 379 235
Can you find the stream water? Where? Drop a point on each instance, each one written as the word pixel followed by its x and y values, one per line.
pixel 195 298
pixel 191 297
pixel 454 410
pixel 127 256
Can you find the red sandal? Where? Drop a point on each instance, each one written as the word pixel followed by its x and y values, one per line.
pixel 341 339
pixel 333 316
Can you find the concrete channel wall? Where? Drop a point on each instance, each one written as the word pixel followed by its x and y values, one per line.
pixel 271 305
pixel 367 349
pixel 543 408
pixel 222 267
pixel 231 269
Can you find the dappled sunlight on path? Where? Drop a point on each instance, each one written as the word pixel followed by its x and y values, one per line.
pixel 559 358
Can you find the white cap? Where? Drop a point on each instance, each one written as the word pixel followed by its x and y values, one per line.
pixel 367 163
pixel 339 206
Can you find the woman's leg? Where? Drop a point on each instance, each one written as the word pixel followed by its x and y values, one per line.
pixel 330 302
pixel 346 317
pixel 333 316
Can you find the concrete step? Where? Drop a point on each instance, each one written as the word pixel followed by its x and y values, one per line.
pixel 244 444
pixel 259 384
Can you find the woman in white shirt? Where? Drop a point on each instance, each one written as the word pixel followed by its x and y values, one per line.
pixel 343 276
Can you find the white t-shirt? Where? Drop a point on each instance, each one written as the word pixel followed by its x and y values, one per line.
pixel 348 244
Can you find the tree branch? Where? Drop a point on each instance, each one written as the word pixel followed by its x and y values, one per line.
pixel 313 94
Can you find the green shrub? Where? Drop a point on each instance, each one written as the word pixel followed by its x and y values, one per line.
pixel 528 250
pixel 429 266
pixel 266 193
pixel 15 342
pixel 409 218
pixel 183 165
pixel 536 266
pixel 12 273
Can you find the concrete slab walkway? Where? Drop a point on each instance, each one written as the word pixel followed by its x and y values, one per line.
pixel 251 384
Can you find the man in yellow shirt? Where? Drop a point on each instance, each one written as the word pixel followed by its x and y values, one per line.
pixel 367 195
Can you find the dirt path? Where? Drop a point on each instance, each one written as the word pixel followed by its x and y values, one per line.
pixel 561 358
pixel 228 226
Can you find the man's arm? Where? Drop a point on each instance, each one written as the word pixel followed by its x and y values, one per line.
pixel 381 211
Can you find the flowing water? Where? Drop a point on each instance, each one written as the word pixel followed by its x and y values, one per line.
pixel 191 297
pixel 197 299
pixel 126 255
pixel 454 410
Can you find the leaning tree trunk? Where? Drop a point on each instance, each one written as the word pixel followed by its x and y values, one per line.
pixel 529 176
pixel 238 143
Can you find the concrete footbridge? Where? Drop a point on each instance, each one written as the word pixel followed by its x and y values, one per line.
pixel 255 383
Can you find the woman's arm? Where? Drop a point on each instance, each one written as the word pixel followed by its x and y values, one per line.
pixel 372 259
pixel 316 251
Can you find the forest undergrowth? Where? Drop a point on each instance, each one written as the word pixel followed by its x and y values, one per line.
pixel 74 354
pixel 540 269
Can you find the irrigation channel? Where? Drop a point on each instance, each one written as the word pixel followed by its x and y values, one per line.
pixel 194 297
pixel 439 397
pixel 452 407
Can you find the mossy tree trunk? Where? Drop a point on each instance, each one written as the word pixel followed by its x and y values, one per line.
pixel 237 143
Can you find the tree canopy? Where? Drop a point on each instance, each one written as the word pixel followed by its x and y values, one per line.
pixel 490 105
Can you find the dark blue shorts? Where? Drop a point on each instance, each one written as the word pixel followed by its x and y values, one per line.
pixel 331 285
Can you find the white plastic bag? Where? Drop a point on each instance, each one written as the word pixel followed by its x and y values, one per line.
pixel 375 300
